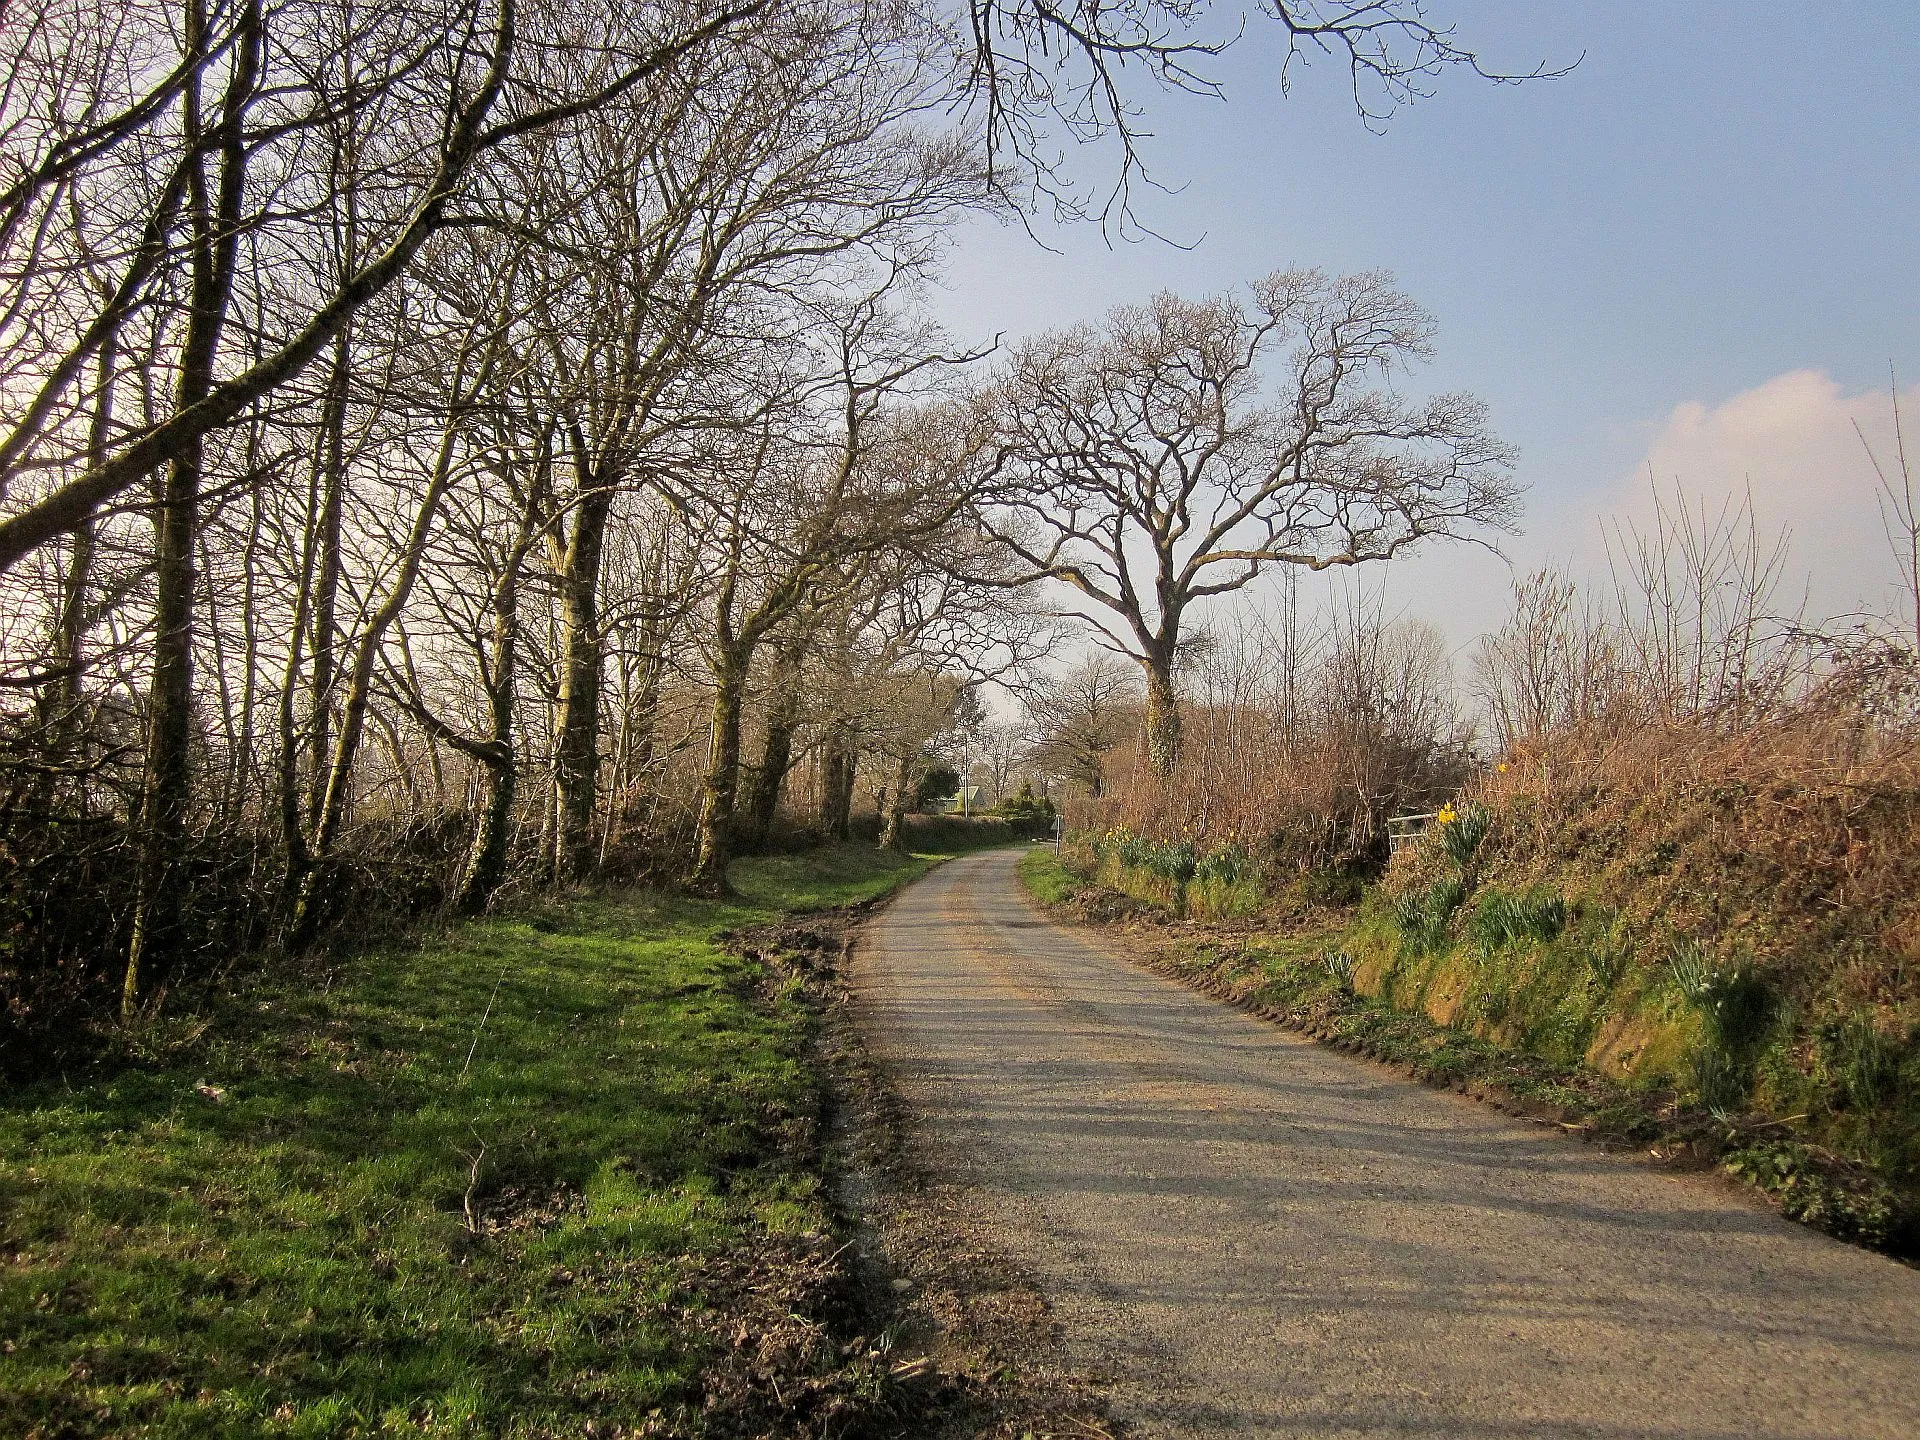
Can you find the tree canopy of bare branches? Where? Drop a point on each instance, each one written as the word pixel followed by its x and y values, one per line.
pixel 440 440
pixel 1184 447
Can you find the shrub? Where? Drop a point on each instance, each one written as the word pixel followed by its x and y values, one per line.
pixel 938 781
pixel 1027 813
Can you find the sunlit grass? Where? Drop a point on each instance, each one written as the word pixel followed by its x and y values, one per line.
pixel 266 1232
pixel 1046 879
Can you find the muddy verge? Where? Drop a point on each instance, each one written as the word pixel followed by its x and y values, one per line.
pixel 915 1323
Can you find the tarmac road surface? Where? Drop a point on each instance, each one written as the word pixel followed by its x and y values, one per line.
pixel 1244 1233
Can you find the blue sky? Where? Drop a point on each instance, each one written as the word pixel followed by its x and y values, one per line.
pixel 1718 209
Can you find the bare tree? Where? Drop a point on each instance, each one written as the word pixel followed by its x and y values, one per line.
pixel 1161 460
pixel 433 76
pixel 1002 747
pixel 1554 662
pixel 799 525
pixel 373 375
pixel 1080 718
pixel 1036 70
pixel 1697 621
pixel 1899 506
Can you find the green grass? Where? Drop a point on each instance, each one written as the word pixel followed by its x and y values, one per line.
pixel 256 1223
pixel 849 874
pixel 830 876
pixel 1046 879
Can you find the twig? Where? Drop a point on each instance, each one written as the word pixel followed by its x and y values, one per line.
pixel 473 1184
pixel 483 1019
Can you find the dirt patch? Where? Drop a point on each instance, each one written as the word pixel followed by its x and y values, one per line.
pixel 777 1317
pixel 939 1333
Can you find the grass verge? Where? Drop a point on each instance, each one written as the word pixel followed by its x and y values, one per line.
pixel 548 1174
pixel 1046 879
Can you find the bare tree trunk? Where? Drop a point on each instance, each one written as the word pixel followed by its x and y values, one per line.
pixel 353 711
pixel 168 788
pixel 1163 716
pixel 838 763
pixel 893 827
pixel 486 863
pixel 331 465
pixel 643 742
pixel 576 749
pixel 70 640
pixel 219 783
pixel 293 830
pixel 723 774
pixel 769 777
pixel 250 656
pixel 168 791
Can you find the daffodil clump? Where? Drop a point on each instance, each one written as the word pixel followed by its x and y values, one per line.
pixel 1461 830
pixel 1183 874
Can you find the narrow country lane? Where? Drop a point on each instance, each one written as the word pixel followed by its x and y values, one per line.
pixel 1246 1234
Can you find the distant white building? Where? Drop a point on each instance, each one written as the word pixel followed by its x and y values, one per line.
pixel 965 803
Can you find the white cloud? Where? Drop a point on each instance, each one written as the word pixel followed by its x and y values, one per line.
pixel 1790 439
pixel 1791 442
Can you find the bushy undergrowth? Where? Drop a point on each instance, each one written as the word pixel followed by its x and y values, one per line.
pixel 1302 734
pixel 67 899
pixel 67 886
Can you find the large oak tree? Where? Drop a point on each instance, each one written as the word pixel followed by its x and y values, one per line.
pixel 1182 448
